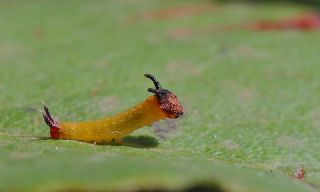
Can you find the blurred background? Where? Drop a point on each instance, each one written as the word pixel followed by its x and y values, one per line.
pixel 247 73
pixel 306 2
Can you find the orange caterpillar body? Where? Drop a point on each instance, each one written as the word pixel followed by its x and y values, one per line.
pixel 163 104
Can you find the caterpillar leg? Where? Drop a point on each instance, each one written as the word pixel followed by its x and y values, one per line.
pixel 52 123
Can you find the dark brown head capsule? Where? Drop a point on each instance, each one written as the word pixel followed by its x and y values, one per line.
pixel 168 101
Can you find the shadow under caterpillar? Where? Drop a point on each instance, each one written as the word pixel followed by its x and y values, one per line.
pixel 163 104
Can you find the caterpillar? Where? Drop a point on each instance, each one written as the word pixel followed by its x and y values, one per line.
pixel 161 105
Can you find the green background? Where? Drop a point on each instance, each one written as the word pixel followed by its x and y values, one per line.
pixel 251 98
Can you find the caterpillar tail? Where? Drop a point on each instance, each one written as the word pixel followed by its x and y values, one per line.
pixel 52 123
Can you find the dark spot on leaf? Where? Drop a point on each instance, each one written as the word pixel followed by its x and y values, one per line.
pixel 193 188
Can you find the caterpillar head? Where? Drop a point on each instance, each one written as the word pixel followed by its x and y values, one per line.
pixel 168 101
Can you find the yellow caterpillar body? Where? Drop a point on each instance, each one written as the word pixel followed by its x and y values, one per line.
pixel 164 104
pixel 113 129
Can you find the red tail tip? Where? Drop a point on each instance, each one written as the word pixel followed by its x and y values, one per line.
pixel 52 123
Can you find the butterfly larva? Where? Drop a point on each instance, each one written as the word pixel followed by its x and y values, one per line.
pixel 163 104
